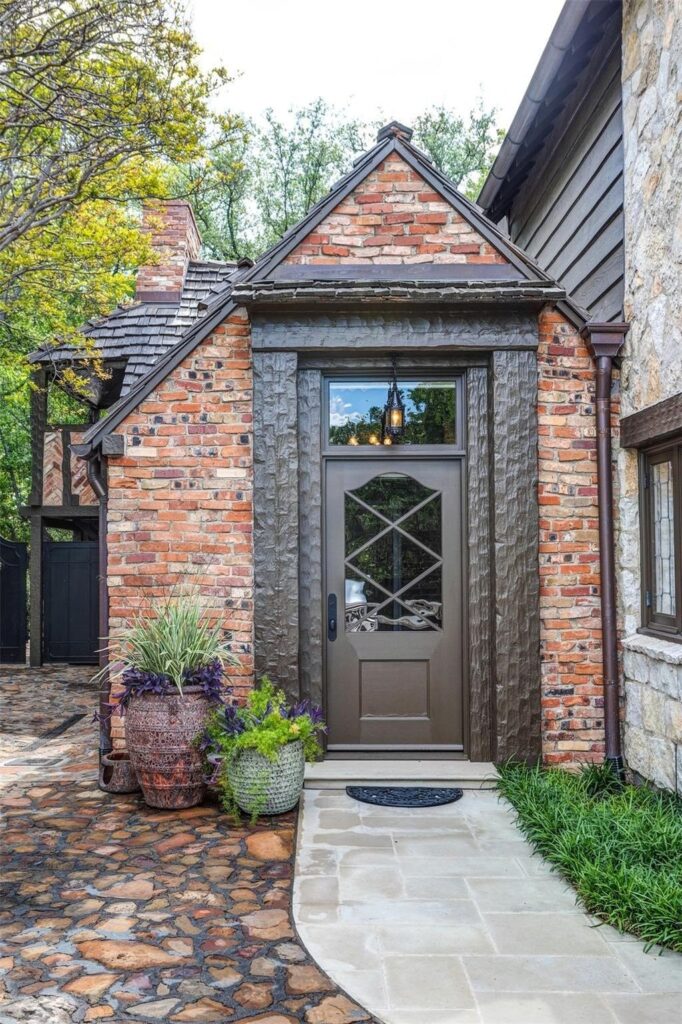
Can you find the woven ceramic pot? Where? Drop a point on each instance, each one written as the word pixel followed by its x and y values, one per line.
pixel 261 786
pixel 160 736
pixel 117 774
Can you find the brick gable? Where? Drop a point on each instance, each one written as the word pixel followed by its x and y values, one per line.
pixel 394 216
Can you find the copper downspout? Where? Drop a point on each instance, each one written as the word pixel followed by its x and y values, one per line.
pixel 605 342
pixel 96 470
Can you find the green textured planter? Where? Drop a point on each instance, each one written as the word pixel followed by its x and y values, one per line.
pixel 261 786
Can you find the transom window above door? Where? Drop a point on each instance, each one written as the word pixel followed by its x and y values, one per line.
pixel 387 411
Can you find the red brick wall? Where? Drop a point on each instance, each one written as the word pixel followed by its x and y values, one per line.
pixel 394 216
pixel 572 696
pixel 180 500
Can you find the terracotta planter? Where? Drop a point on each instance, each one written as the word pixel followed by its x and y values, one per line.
pixel 160 735
pixel 116 774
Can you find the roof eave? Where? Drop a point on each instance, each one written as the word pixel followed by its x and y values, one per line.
pixel 255 295
pixel 92 438
pixel 570 17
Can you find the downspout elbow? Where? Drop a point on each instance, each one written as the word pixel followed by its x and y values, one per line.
pixel 96 476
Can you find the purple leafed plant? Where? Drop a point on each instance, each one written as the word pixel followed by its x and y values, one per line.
pixel 138 683
pixel 304 707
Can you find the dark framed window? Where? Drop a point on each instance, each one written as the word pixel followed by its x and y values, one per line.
pixel 433 412
pixel 662 540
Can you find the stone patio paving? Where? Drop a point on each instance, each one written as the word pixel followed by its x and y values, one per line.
pixel 112 911
pixel 444 916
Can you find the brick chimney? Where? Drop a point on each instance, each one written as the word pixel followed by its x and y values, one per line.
pixel 176 240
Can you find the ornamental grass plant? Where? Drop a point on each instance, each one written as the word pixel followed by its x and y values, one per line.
pixel 619 846
pixel 174 647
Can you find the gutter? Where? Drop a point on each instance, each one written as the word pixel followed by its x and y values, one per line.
pixel 560 40
pixel 605 342
pixel 96 472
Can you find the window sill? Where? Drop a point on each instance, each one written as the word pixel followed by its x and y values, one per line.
pixel 654 647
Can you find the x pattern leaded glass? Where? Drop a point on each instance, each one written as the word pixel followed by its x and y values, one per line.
pixel 393 556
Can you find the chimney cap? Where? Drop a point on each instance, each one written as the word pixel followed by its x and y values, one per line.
pixel 394 129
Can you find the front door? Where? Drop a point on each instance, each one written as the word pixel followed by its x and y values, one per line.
pixel 394 604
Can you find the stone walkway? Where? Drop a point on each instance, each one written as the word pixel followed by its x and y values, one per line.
pixel 444 916
pixel 111 911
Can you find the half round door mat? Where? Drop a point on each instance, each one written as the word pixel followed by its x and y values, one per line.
pixel 404 796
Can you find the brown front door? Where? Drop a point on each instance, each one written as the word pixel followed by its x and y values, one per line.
pixel 394 604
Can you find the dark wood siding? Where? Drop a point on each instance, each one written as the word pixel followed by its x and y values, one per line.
pixel 568 213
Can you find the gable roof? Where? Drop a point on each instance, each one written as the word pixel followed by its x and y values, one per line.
pixel 393 139
pixel 142 332
pixel 419 162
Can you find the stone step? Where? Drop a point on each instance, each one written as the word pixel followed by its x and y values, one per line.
pixel 337 773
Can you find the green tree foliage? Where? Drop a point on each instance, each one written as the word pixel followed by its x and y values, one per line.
pixel 97 97
pixel 463 148
pixel 92 93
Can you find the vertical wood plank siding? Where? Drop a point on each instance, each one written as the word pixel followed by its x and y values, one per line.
pixel 515 539
pixel 568 213
pixel 276 518
pixel 310 533
pixel 480 566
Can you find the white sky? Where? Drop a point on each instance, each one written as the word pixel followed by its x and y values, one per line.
pixel 375 58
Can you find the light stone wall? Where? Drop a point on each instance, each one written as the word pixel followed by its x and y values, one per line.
pixel 652 365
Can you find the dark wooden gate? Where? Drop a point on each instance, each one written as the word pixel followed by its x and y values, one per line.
pixel 70 602
pixel 13 563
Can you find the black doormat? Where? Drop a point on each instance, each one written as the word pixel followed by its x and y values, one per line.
pixel 404 796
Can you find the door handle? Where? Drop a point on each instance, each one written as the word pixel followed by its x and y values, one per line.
pixel 331 617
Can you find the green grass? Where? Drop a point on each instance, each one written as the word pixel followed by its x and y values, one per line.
pixel 621 848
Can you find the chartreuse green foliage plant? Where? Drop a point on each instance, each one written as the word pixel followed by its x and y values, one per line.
pixel 619 846
pixel 265 723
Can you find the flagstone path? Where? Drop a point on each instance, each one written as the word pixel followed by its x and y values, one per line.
pixel 444 916
pixel 111 911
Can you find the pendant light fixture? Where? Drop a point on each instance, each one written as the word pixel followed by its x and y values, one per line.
pixel 393 419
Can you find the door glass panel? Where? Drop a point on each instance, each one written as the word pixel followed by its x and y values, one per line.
pixel 361 524
pixel 355 410
pixel 393 575
pixel 664 538
pixel 392 495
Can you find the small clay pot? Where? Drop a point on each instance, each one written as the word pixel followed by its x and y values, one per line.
pixel 116 773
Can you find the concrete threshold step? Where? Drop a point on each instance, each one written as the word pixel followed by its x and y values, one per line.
pixel 337 774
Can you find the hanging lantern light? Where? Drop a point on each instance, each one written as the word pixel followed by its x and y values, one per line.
pixel 394 410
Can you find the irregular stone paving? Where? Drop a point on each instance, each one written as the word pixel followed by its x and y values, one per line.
pixel 112 911
pixel 444 916
pixel 53 695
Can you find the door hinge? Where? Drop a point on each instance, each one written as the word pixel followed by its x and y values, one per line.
pixel 647 479
pixel 647 599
